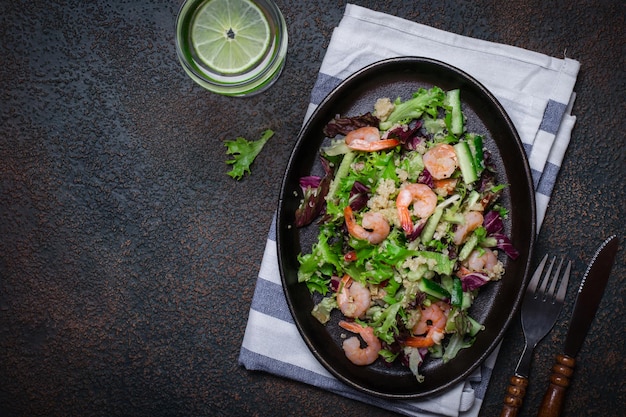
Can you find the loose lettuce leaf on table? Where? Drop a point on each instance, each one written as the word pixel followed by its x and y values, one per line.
pixel 244 152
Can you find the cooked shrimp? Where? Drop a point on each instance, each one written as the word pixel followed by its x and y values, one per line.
pixel 441 161
pixel 352 346
pixel 435 315
pixel 433 337
pixel 482 260
pixel 353 298
pixel 446 186
pixel 471 220
pixel 374 227
pixel 368 139
pixel 431 325
pixel 424 202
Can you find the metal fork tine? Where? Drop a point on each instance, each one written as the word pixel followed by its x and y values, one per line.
pixel 546 278
pixel 560 296
pixel 537 275
pixel 555 279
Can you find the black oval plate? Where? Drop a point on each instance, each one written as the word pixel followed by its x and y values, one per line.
pixel 496 303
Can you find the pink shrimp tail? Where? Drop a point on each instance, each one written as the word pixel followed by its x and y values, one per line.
pixel 348 214
pixel 364 145
pixel 351 326
pixel 405 221
pixel 433 337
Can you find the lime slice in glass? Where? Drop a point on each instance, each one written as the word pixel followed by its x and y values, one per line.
pixel 230 36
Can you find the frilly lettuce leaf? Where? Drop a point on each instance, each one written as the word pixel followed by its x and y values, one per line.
pixel 423 101
pixel 244 152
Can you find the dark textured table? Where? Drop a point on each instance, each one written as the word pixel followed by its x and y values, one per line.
pixel 128 257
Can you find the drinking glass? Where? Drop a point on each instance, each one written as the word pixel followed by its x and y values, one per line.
pixel 232 47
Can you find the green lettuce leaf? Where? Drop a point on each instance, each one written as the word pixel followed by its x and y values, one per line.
pixel 323 261
pixel 244 152
pixel 423 101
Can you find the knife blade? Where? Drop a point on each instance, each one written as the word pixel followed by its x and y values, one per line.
pixel 587 301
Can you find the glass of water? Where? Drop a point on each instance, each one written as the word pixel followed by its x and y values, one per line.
pixel 232 47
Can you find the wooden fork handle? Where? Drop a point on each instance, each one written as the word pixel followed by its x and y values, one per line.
pixel 552 403
pixel 514 396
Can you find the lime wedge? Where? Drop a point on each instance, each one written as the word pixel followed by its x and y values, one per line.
pixel 230 36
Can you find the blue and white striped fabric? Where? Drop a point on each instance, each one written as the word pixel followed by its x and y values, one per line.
pixel 537 92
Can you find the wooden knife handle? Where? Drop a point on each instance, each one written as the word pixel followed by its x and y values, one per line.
pixel 552 403
pixel 514 396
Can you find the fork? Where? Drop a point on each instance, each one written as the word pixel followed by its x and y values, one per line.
pixel 540 309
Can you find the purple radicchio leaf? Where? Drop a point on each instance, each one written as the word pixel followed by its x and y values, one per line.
pixel 314 201
pixel 359 196
pixel 488 175
pixel 314 189
pixel 413 143
pixel 487 182
pixel 473 280
pixel 408 137
pixel 311 181
pixel 417 231
pixel 426 178
pixel 312 204
pixel 494 226
pixel 492 222
pixel 344 125
pixel 404 359
pixel 504 243
pixel 488 161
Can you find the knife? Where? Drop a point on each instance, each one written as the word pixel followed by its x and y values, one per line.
pixel 587 301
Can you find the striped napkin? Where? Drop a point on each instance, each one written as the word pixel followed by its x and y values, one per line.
pixel 537 92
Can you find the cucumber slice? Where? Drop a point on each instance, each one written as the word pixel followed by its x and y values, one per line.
pixel 466 162
pixel 453 99
pixel 433 289
pixel 468 247
pixel 431 225
pixel 477 151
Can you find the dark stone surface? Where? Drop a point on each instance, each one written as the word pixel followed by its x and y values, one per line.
pixel 128 257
